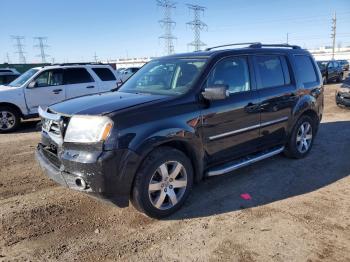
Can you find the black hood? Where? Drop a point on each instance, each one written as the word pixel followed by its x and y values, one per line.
pixel 104 103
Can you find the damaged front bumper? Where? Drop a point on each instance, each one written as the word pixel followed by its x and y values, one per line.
pixel 107 175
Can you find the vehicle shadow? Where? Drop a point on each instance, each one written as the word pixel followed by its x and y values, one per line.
pixel 274 179
pixel 29 126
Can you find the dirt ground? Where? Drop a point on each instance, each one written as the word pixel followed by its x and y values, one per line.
pixel 299 211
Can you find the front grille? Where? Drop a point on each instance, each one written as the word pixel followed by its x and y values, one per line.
pixel 51 155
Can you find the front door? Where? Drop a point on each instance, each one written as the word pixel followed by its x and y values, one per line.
pixel 47 90
pixel 231 126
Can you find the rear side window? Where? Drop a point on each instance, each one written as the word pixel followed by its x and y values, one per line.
pixel 76 76
pixel 105 74
pixel 271 71
pixel 305 68
pixel 5 71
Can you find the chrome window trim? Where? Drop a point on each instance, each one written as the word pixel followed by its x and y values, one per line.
pixel 279 120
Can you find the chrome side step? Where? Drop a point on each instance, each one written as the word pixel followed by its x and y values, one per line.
pixel 244 162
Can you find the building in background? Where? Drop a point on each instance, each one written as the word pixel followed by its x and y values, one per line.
pixel 130 62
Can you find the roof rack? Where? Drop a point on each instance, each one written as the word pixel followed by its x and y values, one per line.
pixel 219 46
pixel 256 45
pixel 260 45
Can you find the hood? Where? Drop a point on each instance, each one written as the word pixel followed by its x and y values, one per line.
pixel 104 103
pixel 8 88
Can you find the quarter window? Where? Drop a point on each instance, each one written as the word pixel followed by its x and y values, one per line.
pixel 77 76
pixel 105 74
pixel 232 72
pixel 271 71
pixel 305 68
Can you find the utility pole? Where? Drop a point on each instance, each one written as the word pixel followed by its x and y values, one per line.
pixel 197 26
pixel 42 47
pixel 19 48
pixel 8 58
pixel 287 38
pixel 95 57
pixel 334 31
pixel 168 24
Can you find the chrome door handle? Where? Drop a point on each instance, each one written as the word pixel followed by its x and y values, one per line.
pixel 90 87
pixel 56 91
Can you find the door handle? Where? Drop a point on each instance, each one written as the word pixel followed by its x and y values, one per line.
pixel 56 91
pixel 90 87
pixel 251 107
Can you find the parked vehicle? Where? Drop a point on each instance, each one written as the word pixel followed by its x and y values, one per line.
pixel 127 72
pixel 7 75
pixel 344 64
pixel 331 71
pixel 182 118
pixel 48 85
pixel 342 95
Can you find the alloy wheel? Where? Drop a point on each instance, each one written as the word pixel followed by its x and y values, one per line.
pixel 7 120
pixel 304 137
pixel 167 185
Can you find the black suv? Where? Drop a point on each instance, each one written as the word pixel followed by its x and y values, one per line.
pixel 331 71
pixel 182 118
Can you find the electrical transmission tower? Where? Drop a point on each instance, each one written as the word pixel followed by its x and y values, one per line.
pixel 8 58
pixel 197 26
pixel 19 48
pixel 41 45
pixel 334 30
pixel 168 24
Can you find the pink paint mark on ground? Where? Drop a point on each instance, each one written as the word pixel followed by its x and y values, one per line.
pixel 246 196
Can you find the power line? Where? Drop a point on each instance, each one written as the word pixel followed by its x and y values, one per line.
pixel 42 46
pixel 168 24
pixel 334 31
pixel 19 48
pixel 197 26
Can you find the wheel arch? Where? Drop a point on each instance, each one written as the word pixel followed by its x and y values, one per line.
pixel 12 106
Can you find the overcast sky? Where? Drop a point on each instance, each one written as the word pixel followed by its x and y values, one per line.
pixel 114 29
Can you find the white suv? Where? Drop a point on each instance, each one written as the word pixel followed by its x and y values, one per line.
pixel 43 86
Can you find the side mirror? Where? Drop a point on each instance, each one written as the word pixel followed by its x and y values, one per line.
pixel 32 85
pixel 217 92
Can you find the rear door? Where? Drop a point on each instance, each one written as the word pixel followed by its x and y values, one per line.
pixel 231 126
pixel 277 93
pixel 78 82
pixel 107 79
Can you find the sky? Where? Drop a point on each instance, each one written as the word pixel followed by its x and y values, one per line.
pixel 77 29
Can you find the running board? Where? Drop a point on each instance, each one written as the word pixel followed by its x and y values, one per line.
pixel 246 161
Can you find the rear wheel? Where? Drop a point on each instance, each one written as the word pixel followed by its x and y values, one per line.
pixel 302 137
pixel 340 78
pixel 163 182
pixel 9 119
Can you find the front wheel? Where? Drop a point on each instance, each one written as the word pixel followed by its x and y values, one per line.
pixel 9 119
pixel 163 182
pixel 302 138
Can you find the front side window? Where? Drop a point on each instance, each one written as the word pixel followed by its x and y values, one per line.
pixel 23 78
pixel 271 71
pixel 169 77
pixel 76 76
pixel 232 72
pixel 305 68
pixel 50 78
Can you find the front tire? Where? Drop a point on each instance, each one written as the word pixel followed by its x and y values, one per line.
pixel 302 138
pixel 10 119
pixel 162 183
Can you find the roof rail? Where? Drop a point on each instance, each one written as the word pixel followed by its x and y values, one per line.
pixel 260 45
pixel 219 46
pixel 83 63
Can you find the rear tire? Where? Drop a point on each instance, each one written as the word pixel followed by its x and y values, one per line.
pixel 10 119
pixel 162 183
pixel 340 78
pixel 301 138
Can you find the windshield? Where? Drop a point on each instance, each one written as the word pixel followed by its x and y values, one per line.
pixel 166 77
pixel 23 78
pixel 322 64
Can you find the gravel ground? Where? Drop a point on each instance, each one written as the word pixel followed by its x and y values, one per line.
pixel 299 211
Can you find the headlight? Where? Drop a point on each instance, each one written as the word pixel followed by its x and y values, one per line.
pixel 88 129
